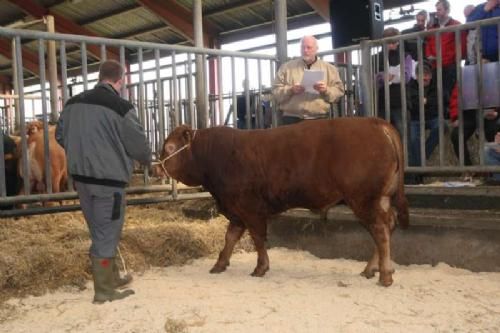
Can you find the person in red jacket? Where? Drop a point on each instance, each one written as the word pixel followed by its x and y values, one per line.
pixel 448 55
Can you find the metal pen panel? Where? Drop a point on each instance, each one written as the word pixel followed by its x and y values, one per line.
pixel 83 50
pixel 20 93
pixel 41 63
pixel 64 71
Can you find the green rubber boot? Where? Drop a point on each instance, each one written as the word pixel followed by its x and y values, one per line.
pixel 104 281
pixel 120 282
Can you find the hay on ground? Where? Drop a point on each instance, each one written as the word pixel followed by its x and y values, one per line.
pixel 43 253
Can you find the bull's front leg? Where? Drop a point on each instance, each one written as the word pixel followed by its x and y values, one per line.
pixel 233 235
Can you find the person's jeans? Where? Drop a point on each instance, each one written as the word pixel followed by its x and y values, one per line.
pixel 492 157
pixel 430 143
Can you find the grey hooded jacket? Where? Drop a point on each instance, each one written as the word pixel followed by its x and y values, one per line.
pixel 102 136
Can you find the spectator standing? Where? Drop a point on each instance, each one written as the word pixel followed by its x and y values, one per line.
pixel 489 34
pixel 295 102
pixel 431 120
pixel 420 25
pixel 448 55
pixel 394 78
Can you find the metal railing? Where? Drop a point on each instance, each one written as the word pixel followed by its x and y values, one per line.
pixel 165 94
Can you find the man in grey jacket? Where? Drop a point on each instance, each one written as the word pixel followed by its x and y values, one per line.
pixel 102 136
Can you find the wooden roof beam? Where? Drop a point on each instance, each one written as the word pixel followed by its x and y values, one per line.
pixel 63 25
pixel 179 18
pixel 322 7
pixel 30 59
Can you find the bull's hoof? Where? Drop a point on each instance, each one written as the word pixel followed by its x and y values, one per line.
pixel 368 273
pixel 259 271
pixel 385 281
pixel 218 268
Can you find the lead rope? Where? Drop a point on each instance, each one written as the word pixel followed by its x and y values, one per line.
pixel 122 260
pixel 162 162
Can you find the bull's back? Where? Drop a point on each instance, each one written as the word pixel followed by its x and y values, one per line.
pixel 310 163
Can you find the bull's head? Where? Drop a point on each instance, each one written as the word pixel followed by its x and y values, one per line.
pixel 175 153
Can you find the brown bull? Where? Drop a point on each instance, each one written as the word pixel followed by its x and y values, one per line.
pixel 315 164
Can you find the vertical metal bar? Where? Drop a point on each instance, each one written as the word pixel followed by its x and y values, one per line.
pixel 191 109
pixel 458 59
pixel 140 92
pixel 421 104
pixel 122 63
pixel 387 97
pixel 220 90
pixel 103 53
pixel 260 111
pixel 83 50
pixel 206 93
pixel 248 113
pixel 280 14
pixel 20 85
pixel 41 63
pixel 440 96
pixel 3 184
pixel 159 98
pixel 350 96
pixel 233 88
pixel 64 71
pixel 174 91
pixel 366 79
pixel 402 84
pixel 52 70
pixel 480 88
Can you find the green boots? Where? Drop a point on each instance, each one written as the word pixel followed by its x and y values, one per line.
pixel 107 279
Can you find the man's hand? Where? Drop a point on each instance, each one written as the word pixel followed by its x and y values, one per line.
pixel 297 89
pixel 497 141
pixel 320 86
pixel 490 5
pixel 490 114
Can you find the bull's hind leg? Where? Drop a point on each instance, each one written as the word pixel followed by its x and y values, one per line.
pixel 258 235
pixel 233 235
pixel 381 232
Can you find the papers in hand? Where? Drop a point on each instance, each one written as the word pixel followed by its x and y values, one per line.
pixel 311 77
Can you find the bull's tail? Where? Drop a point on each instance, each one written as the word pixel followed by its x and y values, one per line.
pixel 400 200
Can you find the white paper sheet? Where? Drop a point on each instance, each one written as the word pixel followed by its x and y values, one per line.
pixel 311 77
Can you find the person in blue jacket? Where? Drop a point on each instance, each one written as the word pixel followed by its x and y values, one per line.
pixel 489 34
